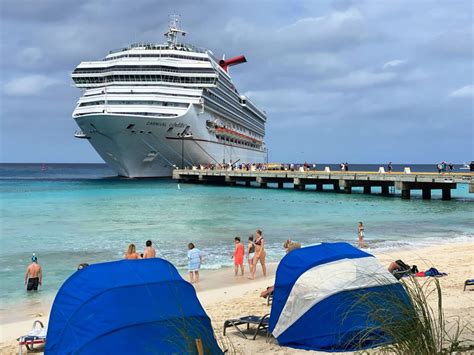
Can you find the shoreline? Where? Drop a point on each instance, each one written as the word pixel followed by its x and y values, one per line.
pixel 225 296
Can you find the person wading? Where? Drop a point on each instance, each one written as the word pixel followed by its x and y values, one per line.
pixel 259 253
pixel 33 275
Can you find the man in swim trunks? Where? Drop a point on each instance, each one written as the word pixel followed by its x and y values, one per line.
pixel 33 275
pixel 149 250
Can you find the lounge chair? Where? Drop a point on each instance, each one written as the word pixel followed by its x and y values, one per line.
pixel 270 299
pixel 36 336
pixel 268 294
pixel 261 322
pixel 468 283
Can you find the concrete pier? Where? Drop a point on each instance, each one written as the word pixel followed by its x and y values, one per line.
pixel 345 181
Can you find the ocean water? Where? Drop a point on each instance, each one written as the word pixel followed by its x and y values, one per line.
pixel 71 214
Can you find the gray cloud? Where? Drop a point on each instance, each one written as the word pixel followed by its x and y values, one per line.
pixel 364 73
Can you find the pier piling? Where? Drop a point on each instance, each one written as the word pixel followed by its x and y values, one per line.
pixel 446 194
pixel 426 194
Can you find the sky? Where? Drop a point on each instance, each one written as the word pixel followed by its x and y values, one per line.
pixel 357 81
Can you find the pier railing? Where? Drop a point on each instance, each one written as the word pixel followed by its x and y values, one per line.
pixel 338 180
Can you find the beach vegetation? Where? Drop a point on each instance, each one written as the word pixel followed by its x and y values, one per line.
pixel 418 326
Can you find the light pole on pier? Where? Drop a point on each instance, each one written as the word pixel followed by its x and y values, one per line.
pixel 183 137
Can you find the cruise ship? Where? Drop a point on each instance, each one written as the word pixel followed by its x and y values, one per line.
pixel 149 108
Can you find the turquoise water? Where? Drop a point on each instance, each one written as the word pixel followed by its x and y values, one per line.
pixel 67 221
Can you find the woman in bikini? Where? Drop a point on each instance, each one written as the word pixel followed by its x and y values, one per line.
pixel 131 253
pixel 259 253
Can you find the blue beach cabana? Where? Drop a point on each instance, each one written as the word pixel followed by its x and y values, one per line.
pixel 128 307
pixel 325 297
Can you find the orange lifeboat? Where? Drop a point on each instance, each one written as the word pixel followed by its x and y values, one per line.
pixel 229 133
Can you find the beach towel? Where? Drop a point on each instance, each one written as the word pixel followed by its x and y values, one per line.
pixel 434 272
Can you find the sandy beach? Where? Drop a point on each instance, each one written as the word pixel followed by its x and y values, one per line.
pixel 225 296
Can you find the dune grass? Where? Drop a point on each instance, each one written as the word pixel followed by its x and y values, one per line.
pixel 415 327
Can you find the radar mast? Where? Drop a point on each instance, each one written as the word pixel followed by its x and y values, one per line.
pixel 173 31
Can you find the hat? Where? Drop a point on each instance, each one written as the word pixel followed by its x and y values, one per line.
pixel 34 258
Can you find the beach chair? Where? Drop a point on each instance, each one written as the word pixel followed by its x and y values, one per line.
pixel 468 283
pixel 260 322
pixel 269 299
pixel 36 336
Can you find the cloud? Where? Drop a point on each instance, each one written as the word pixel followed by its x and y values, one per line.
pixel 30 56
pixel 464 92
pixel 332 67
pixel 394 63
pixel 361 79
pixel 453 43
pixel 335 30
pixel 29 85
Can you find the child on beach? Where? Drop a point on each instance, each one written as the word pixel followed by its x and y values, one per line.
pixel 194 263
pixel 360 234
pixel 250 253
pixel 238 256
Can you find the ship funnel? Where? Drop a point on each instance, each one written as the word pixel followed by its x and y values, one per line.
pixel 225 63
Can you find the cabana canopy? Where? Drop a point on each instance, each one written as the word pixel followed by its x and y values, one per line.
pixel 128 307
pixel 325 297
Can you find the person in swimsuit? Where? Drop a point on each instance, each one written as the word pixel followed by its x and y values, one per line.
pixel 33 275
pixel 259 253
pixel 149 250
pixel 238 256
pixel 131 253
pixel 360 235
pixel 250 253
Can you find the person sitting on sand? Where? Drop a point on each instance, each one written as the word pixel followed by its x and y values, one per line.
pixel 194 263
pixel 290 245
pixel 33 275
pixel 399 269
pixel 131 253
pixel 250 253
pixel 238 256
pixel 259 253
pixel 149 251
pixel 267 292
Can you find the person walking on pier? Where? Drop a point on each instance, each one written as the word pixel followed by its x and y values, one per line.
pixel 389 167
pixel 360 232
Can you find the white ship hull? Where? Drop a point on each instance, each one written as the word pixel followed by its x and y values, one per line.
pixel 138 146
